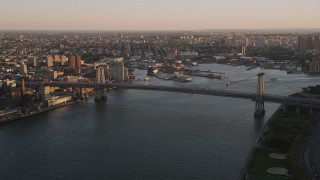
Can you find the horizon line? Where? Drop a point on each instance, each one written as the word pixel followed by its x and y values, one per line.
pixel 124 30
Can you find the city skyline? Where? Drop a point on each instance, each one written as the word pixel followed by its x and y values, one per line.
pixel 158 15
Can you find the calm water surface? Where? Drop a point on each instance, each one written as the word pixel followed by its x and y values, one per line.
pixel 145 134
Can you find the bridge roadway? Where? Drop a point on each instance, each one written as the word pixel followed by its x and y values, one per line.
pixel 193 90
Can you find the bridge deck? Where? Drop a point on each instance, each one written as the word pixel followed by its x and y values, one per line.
pixel 193 90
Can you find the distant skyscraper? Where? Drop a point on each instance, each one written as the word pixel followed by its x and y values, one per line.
pixel 49 61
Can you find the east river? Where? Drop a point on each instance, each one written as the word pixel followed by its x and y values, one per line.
pixel 145 134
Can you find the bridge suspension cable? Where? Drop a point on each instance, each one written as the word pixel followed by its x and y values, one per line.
pixel 248 84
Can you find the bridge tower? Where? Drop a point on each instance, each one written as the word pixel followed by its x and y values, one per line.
pixel 100 92
pixel 259 110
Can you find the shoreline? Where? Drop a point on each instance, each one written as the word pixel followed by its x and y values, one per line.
pixel 299 152
pixel 39 112
pixel 257 145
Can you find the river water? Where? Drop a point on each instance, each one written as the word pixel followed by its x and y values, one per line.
pixel 145 134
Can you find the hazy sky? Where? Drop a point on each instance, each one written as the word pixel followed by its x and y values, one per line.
pixel 157 14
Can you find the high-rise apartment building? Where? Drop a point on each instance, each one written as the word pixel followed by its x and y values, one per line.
pixel 308 43
pixel 100 76
pixel 119 72
pixel 44 93
pixel 78 61
pixel 64 60
pixel 57 59
pixel 118 69
pixel 33 61
pixel 72 62
pixel 126 74
pixel 49 61
pixel 75 62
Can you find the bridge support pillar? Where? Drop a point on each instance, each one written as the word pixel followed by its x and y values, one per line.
pixel 284 108
pixel 78 92
pixel 259 109
pixel 298 109
pixel 100 93
pixel 83 93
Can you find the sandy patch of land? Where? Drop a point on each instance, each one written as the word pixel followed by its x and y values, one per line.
pixel 278 156
pixel 278 171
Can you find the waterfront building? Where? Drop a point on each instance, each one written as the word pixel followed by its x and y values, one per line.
pixel 219 58
pixel 49 61
pixel 126 74
pixel 314 66
pixel 118 70
pixel 11 97
pixel 246 60
pixel 44 93
pixel 56 100
pixel 188 54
